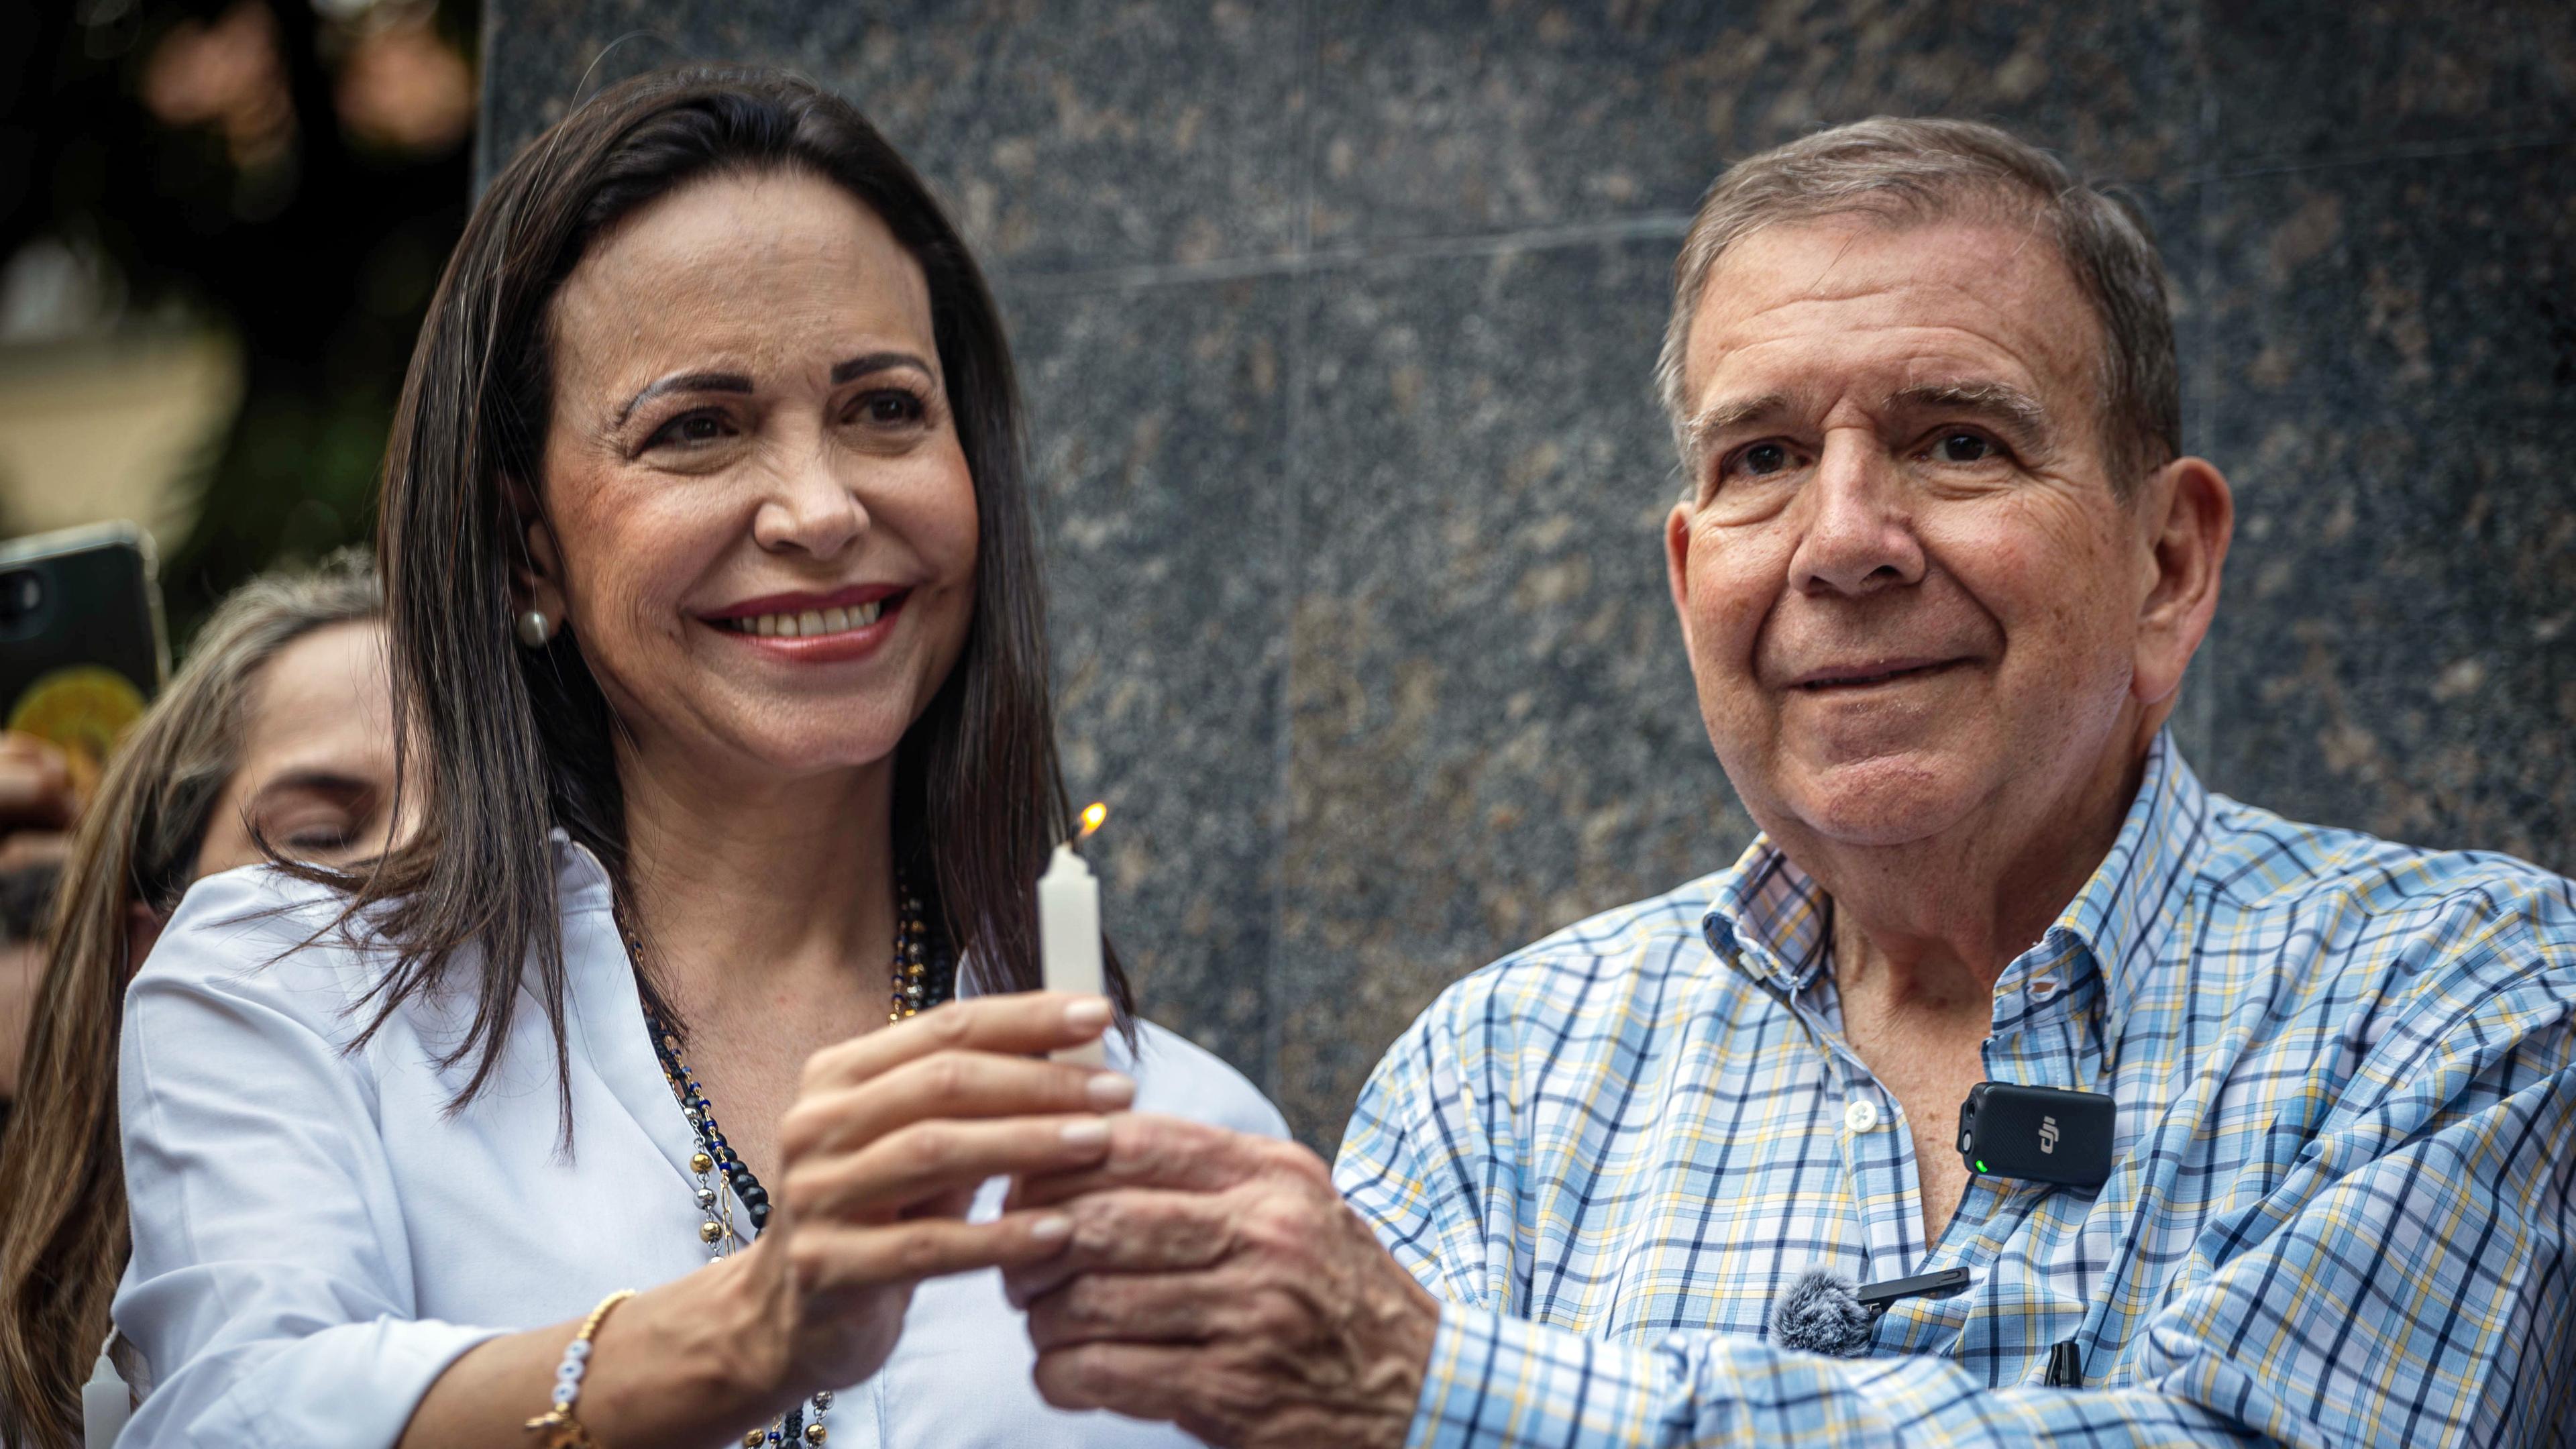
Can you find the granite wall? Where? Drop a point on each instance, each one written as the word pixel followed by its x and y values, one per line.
pixel 1336 321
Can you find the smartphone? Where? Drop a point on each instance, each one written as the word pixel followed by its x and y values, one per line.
pixel 81 644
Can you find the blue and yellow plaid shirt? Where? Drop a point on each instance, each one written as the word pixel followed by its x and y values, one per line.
pixel 2339 1211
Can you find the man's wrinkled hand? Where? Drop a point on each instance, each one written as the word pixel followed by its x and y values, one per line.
pixel 1216 1281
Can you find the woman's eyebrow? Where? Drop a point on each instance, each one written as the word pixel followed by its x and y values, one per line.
pixel 332 783
pixel 683 382
pixel 736 382
pixel 878 362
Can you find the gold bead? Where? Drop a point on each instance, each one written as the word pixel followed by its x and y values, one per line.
pixel 710 1230
pixel 701 1163
pixel 755 1439
pixel 816 1434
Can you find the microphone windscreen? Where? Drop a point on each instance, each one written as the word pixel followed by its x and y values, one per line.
pixel 1818 1313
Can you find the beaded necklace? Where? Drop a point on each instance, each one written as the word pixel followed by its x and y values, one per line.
pixel 920 981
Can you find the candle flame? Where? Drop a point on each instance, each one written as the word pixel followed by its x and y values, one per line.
pixel 1092 815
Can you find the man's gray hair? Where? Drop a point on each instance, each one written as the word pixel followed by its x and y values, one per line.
pixel 1907 172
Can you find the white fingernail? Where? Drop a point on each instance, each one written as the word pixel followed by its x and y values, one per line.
pixel 1088 1014
pixel 1050 1227
pixel 1088 1132
pixel 1110 1089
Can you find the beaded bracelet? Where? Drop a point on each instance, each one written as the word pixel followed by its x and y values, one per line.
pixel 561 1429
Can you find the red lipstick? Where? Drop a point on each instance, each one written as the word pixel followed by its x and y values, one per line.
pixel 831 640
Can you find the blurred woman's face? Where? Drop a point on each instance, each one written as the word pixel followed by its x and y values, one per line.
pixel 759 523
pixel 316 778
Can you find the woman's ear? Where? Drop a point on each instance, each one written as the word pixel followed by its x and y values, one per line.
pixel 542 573
pixel 536 580
pixel 142 931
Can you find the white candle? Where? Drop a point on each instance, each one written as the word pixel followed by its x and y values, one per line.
pixel 1069 936
pixel 105 1405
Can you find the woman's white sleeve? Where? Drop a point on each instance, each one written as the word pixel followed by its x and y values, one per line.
pixel 271 1283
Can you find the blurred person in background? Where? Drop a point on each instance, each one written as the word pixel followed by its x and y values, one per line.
pixel 716 610
pixel 37 806
pixel 220 224
pixel 276 736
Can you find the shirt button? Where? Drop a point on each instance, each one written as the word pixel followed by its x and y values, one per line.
pixel 1861 1115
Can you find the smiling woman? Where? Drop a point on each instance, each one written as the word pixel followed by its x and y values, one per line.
pixel 769 439
pixel 716 623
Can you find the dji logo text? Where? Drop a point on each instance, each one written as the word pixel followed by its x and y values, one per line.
pixel 2048 1134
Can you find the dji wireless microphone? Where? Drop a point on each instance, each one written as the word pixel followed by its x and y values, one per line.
pixel 2040 1134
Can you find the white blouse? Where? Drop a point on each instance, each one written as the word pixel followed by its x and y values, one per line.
pixel 316 1239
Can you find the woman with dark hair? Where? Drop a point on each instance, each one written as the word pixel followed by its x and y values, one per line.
pixel 716 622
pixel 277 734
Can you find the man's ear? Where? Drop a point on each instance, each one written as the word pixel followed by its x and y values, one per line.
pixel 2190 518
pixel 1677 564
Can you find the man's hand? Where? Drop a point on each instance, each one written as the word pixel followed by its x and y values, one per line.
pixel 1218 1282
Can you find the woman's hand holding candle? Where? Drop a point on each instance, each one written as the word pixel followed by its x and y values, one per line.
pixel 885 1147
pixel 890 1136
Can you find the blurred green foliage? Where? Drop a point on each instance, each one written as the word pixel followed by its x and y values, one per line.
pixel 313 235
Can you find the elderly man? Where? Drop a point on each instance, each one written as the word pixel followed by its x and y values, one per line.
pixel 1939 570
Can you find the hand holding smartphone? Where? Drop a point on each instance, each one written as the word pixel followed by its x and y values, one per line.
pixel 81 649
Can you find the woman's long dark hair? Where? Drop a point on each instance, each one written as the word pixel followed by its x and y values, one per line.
pixel 515 741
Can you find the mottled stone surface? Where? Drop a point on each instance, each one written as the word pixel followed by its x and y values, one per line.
pixel 1493 732
pixel 1486 115
pixel 2366 79
pixel 1336 320
pixel 1155 466
pixel 1064 134
pixel 2395 370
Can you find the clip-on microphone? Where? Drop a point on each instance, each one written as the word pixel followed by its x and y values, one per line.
pixel 2042 1134
pixel 1823 1313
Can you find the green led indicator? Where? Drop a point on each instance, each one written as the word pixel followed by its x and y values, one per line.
pixel 1981 1167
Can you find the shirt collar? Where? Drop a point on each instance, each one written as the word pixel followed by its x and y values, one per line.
pixel 1768 917
pixel 581 880
pixel 2128 911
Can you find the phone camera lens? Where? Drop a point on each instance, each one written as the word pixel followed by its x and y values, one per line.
pixel 22 591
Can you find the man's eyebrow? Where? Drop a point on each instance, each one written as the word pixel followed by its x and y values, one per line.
pixel 1725 417
pixel 1997 400
pixel 878 362
pixel 682 382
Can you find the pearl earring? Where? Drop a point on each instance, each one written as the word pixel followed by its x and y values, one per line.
pixel 535 629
